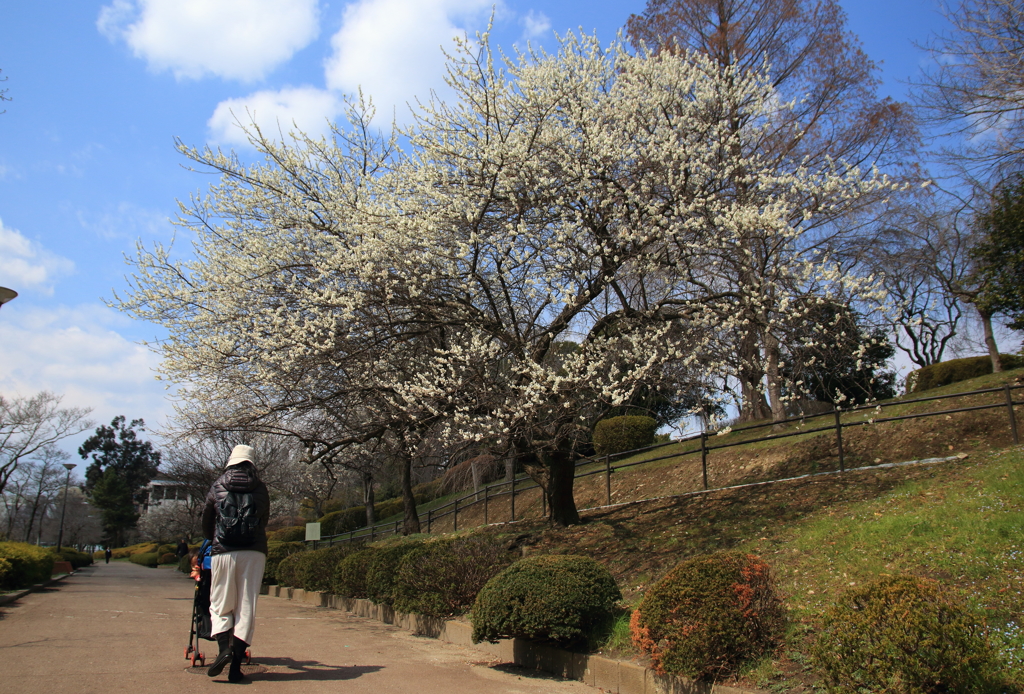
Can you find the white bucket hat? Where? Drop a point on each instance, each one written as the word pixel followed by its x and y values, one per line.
pixel 240 454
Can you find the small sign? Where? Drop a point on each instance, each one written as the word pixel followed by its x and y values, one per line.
pixel 312 532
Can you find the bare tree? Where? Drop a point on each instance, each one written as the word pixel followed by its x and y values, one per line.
pixel 975 87
pixel 30 425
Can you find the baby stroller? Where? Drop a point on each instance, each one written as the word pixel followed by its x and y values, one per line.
pixel 200 608
pixel 201 622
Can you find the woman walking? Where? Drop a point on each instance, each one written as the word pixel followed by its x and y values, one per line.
pixel 235 520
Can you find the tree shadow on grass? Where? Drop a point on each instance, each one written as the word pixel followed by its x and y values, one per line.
pixel 310 670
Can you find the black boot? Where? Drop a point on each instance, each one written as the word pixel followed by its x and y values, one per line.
pixel 238 648
pixel 224 641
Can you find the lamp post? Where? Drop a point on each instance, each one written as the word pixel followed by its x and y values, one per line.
pixel 60 535
pixel 6 295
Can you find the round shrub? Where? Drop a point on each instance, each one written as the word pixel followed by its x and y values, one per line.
pixel 442 578
pixel 955 370
pixel 346 520
pixel 708 615
pixel 5 572
pixel 168 558
pixel 625 433
pixel 29 564
pixel 149 559
pixel 295 533
pixel 287 570
pixel 165 549
pixel 905 635
pixel 316 570
pixel 276 551
pixel 557 598
pixel 350 574
pixel 382 570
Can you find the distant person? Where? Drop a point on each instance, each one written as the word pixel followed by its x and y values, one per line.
pixel 235 520
pixel 107 554
pixel 182 548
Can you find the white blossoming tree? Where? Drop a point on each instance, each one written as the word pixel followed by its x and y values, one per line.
pixel 545 244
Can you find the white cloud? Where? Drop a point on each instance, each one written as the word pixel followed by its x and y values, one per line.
pixel 78 352
pixel 535 25
pixel 392 48
pixel 275 112
pixel 233 39
pixel 24 263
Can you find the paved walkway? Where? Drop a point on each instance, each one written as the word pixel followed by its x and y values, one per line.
pixel 123 628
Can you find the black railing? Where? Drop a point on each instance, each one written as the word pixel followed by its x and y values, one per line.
pixel 602 465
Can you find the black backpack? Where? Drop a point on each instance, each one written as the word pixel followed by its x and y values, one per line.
pixel 238 520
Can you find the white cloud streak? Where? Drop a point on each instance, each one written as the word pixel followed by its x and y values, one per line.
pixel 78 352
pixel 233 39
pixel 26 264
pixel 275 112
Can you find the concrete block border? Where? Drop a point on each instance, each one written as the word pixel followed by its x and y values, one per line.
pixel 609 674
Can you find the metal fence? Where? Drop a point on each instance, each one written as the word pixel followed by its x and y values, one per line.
pixel 603 465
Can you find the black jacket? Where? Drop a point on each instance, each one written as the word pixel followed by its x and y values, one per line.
pixel 237 478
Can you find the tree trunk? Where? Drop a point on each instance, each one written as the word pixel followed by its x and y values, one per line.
pixel 561 477
pixel 750 374
pixel 412 520
pixel 990 341
pixel 771 350
pixel 368 498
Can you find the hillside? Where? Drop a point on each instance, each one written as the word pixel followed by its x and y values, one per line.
pixel 961 522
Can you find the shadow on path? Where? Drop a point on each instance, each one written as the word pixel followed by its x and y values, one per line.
pixel 310 670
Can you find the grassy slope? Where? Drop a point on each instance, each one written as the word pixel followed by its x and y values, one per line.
pixel 961 522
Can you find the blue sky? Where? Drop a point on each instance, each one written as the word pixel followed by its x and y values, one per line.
pixel 99 90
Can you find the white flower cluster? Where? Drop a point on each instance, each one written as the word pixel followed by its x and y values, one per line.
pixel 538 249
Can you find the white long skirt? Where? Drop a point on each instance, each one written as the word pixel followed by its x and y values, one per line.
pixel 236 580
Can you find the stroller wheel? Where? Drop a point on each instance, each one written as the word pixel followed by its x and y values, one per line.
pixel 248 657
pixel 193 660
pixel 188 649
pixel 202 660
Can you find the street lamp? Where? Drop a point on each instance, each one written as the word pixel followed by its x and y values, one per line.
pixel 60 535
pixel 6 295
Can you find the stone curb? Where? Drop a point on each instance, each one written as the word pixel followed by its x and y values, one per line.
pixel 11 597
pixel 615 676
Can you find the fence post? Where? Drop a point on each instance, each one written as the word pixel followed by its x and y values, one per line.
pixel 543 502
pixel 513 504
pixel 704 457
pixel 839 439
pixel 396 529
pixel 430 512
pixel 455 516
pixel 1009 407
pixel 373 528
pixel 608 478
pixel 487 490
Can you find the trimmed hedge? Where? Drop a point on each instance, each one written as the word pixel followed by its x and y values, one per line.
pixel 382 570
pixel 287 570
pixel 76 558
pixel 564 599
pixel 295 533
pixel 906 635
pixel 956 370
pixel 24 565
pixel 442 578
pixel 316 568
pixel 276 552
pixel 150 559
pixel 709 615
pixel 625 433
pixel 168 558
pixel 350 575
